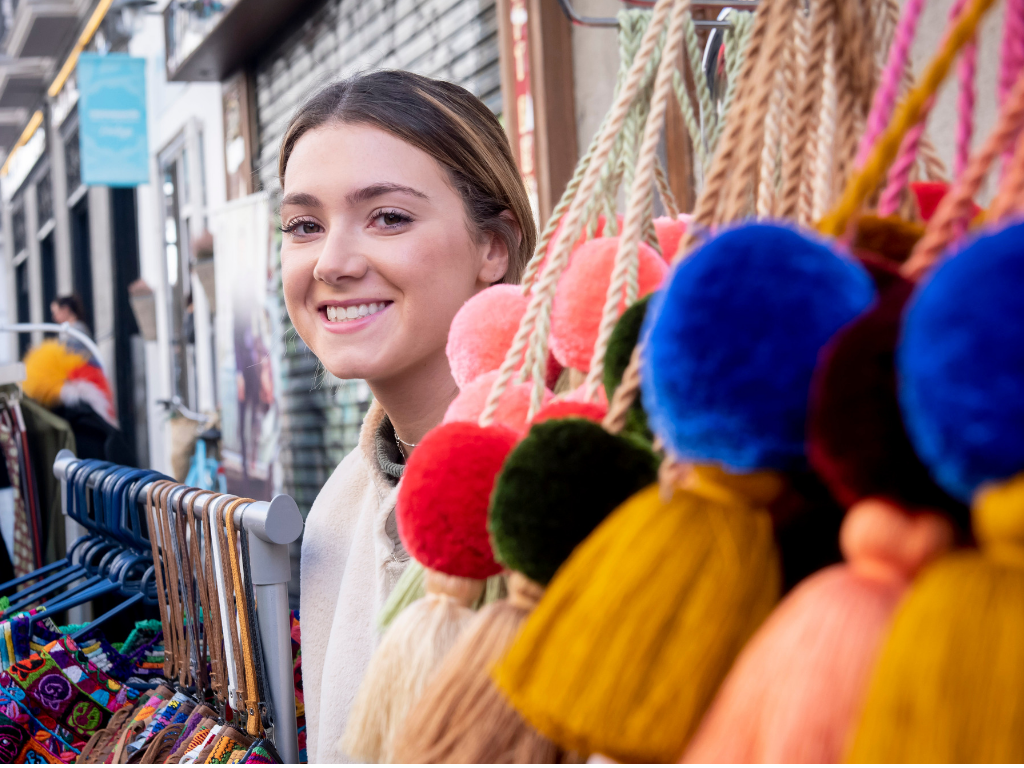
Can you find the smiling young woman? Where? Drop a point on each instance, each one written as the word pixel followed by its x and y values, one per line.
pixel 401 201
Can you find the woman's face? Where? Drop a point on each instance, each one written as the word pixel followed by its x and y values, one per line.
pixel 378 254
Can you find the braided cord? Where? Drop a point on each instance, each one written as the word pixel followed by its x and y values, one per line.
pixel 624 273
pixel 799 151
pixel 736 41
pixel 692 50
pixel 535 324
pixel 892 77
pixel 718 175
pixel 907 115
pixel 765 202
pixel 1011 188
pixel 966 69
pixel 955 206
pixel 737 202
pixel 821 179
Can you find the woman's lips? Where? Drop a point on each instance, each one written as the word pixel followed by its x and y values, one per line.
pixel 342 319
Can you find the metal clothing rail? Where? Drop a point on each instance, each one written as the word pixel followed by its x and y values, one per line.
pixel 271 527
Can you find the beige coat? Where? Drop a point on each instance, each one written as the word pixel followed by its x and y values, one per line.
pixel 349 566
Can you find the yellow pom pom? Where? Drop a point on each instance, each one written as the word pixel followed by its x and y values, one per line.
pixel 949 684
pixel 46 369
pixel 639 627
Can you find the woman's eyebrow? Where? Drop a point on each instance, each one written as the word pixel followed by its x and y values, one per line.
pixel 302 199
pixel 383 188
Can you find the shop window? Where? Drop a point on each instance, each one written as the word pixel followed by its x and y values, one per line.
pixel 18 227
pixel 72 162
pixel 22 299
pixel 48 261
pixel 44 200
pixel 81 264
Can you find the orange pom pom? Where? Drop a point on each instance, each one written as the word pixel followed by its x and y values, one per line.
pixel 670 231
pixel 579 300
pixel 482 331
pixel 512 408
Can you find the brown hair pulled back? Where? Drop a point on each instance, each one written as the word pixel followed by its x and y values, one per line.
pixel 448 123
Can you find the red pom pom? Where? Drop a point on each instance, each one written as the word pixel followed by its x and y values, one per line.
pixel 482 331
pixel 930 193
pixel 579 300
pixel 512 408
pixel 443 498
pixel 567 409
pixel 670 231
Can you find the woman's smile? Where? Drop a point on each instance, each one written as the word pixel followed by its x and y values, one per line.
pixel 349 316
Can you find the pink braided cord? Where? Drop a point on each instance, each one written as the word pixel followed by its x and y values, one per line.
pixel 966 69
pixel 899 174
pixel 888 90
pixel 1012 53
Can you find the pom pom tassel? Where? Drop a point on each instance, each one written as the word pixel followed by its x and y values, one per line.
pixel 462 717
pixel 949 683
pixel 624 660
pixel 795 691
pixel 408 656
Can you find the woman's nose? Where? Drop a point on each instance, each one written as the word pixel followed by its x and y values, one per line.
pixel 340 259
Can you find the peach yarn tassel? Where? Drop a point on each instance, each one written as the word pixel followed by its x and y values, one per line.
pixel 795 692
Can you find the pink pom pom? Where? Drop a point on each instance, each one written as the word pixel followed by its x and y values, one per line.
pixel 512 408
pixel 568 409
pixel 482 331
pixel 670 232
pixel 579 300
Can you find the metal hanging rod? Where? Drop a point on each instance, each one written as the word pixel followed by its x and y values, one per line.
pixel 601 21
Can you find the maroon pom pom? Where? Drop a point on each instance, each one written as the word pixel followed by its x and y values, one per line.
pixel 443 498
pixel 567 409
pixel 856 439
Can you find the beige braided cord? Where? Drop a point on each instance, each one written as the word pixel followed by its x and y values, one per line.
pixel 625 394
pixel 535 324
pixel 690 119
pixel 770 146
pixel 624 274
pixel 692 50
pixel 668 198
pixel 738 202
pixel 955 207
pixel 821 178
pixel 718 175
pixel 1011 187
pixel 809 40
pixel 737 38
pixel 857 50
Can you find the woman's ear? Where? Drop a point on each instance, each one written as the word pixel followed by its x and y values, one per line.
pixel 496 257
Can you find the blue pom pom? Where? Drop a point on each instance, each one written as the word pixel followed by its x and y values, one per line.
pixel 732 341
pixel 961 365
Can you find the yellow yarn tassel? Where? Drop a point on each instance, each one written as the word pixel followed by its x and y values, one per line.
pixel 949 685
pixel 46 369
pixel 639 627
pixel 907 115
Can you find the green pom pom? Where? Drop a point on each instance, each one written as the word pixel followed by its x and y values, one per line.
pixel 556 486
pixel 620 348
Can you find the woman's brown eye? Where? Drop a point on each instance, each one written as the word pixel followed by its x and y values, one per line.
pixel 391 219
pixel 308 228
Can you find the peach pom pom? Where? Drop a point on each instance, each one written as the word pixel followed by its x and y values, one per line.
pixel 579 300
pixel 512 408
pixel 670 231
pixel 482 331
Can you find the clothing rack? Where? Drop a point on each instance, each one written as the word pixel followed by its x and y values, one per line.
pixel 271 527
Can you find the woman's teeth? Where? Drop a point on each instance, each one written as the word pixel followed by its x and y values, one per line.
pixel 343 314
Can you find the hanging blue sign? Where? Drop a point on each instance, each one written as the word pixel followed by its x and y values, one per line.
pixel 112 119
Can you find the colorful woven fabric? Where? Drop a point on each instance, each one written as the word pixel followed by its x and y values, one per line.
pixel 24 557
pixel 50 692
pixel 236 757
pixel 193 752
pixel 14 734
pixel 104 689
pixel 258 755
pixel 300 706
pixel 175 710
pixel 225 747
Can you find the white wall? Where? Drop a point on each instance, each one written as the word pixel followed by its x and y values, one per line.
pixel 172 109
